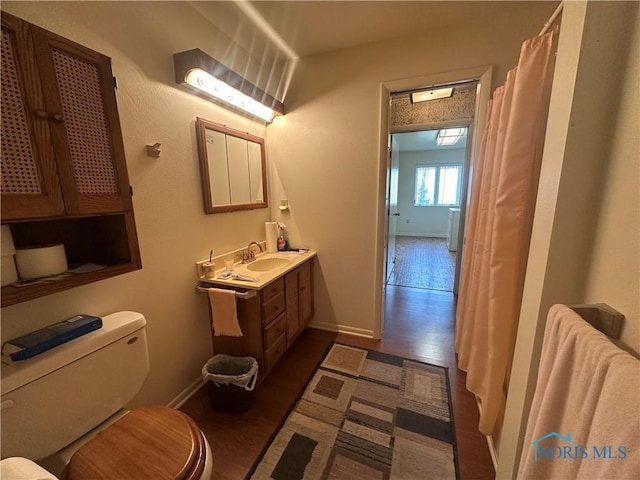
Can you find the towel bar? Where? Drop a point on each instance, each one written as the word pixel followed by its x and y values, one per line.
pixel 242 295
pixel 602 317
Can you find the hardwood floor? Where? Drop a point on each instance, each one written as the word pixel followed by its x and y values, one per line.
pixel 423 262
pixel 419 325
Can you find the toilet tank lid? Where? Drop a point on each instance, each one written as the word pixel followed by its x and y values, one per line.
pixel 114 327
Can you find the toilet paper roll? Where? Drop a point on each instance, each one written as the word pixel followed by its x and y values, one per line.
pixel 9 273
pixel 7 247
pixel 41 261
pixel 271 231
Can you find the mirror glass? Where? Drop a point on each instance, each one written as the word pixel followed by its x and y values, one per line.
pixel 233 168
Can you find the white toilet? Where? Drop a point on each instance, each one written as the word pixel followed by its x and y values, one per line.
pixel 64 409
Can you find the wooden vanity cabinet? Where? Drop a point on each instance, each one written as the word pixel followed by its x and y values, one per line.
pixel 272 319
pixel 64 174
pixel 299 299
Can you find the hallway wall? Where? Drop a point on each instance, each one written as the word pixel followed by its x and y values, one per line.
pixel 325 152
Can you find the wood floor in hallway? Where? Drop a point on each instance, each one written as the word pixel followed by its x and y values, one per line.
pixel 423 262
pixel 419 325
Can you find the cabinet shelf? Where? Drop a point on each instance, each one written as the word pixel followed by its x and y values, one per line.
pixel 104 239
pixel 13 295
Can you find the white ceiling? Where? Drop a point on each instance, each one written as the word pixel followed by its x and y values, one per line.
pixel 314 27
pixel 425 140
pixel 257 38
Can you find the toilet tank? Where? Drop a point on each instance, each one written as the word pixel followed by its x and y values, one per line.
pixel 54 398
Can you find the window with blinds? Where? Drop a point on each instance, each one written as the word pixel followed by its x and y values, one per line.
pixel 437 185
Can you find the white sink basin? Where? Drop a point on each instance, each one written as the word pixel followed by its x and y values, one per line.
pixel 267 264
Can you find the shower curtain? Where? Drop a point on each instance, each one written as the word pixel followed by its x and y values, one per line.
pixel 503 190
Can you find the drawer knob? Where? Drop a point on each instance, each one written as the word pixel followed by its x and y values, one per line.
pixel 302 289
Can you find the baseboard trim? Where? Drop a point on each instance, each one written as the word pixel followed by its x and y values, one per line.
pixel 428 235
pixel 186 394
pixel 490 443
pixel 360 332
pixel 492 452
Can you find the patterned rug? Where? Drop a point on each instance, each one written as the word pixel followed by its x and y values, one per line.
pixel 366 415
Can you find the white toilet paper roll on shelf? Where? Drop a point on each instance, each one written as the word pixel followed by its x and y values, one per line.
pixel 41 261
pixel 9 273
pixel 7 246
pixel 271 232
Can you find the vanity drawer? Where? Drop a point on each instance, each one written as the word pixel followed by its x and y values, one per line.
pixel 273 331
pixel 272 289
pixel 272 308
pixel 273 354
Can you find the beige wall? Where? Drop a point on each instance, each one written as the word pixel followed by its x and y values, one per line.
pixel 614 267
pixel 173 230
pixel 325 150
pixel 596 198
pixel 584 245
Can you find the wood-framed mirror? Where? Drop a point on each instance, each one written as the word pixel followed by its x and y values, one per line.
pixel 233 168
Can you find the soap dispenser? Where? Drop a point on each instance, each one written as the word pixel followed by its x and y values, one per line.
pixel 283 244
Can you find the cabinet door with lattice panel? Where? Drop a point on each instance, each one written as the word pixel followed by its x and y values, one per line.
pixel 30 182
pixel 85 128
pixel 70 141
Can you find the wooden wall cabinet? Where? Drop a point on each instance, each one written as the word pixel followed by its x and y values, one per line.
pixel 62 152
pixel 61 142
pixel 272 320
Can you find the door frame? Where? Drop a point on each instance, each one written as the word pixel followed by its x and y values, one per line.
pixel 483 75
pixel 465 185
pixel 391 212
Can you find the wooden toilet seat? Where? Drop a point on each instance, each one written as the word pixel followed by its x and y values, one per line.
pixel 147 443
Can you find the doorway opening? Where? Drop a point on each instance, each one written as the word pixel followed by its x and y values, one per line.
pixel 427 169
pixel 394 121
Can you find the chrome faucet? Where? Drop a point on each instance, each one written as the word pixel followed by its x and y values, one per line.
pixel 249 256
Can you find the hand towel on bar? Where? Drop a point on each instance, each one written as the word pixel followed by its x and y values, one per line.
pixel 585 415
pixel 224 315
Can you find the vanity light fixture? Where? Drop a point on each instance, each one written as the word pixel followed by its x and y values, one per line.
pixel 207 76
pixel 449 136
pixel 426 95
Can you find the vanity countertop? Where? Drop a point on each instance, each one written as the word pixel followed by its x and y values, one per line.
pixel 264 278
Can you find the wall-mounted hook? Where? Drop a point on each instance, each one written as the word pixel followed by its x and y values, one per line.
pixel 153 150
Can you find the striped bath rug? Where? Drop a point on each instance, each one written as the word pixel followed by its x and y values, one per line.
pixel 366 415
